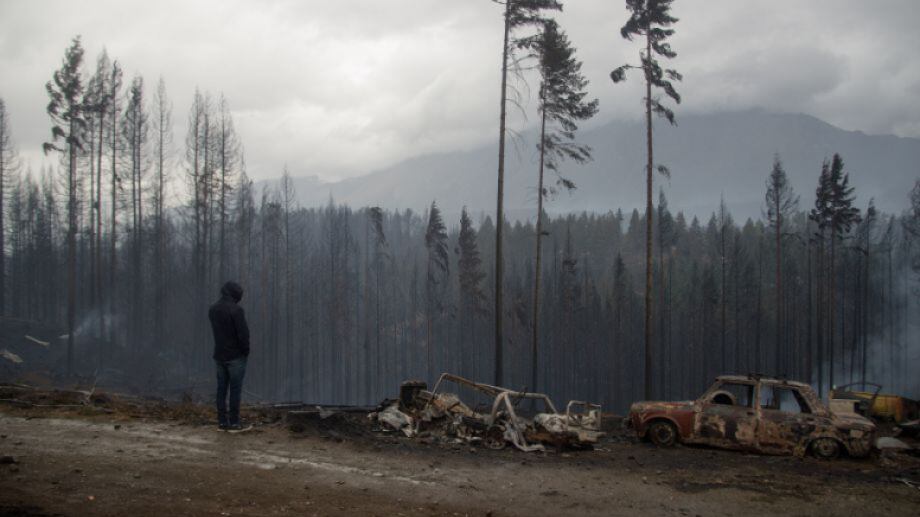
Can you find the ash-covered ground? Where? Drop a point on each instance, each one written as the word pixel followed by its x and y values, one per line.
pixel 81 452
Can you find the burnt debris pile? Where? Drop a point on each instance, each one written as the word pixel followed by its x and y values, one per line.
pixel 528 421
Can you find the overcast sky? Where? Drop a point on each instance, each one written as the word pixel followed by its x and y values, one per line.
pixel 342 88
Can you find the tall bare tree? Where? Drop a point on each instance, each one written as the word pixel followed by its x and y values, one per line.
pixel 651 20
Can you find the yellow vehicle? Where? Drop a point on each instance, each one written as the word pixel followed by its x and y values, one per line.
pixel 881 406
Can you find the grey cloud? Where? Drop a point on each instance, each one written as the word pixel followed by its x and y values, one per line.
pixel 789 79
pixel 343 88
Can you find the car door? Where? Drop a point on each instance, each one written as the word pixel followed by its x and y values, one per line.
pixel 786 419
pixel 727 416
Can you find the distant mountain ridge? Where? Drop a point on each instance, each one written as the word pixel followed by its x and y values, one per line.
pixel 711 155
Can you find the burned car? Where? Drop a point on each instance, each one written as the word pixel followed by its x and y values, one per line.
pixel 495 422
pixel 772 416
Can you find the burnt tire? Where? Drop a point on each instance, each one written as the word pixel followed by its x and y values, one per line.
pixel 825 448
pixel 662 433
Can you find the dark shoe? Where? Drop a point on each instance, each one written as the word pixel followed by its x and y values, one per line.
pixel 238 428
pixel 223 427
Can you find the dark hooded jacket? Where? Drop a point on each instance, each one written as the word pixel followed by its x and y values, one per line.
pixel 231 334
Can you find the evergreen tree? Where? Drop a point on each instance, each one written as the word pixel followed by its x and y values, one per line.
pixel 781 202
pixel 562 105
pixel 472 297
pixel 651 20
pixel 834 215
pixel 381 255
pixel 438 269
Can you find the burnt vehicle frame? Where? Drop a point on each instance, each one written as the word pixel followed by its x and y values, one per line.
pixel 776 416
pixel 500 422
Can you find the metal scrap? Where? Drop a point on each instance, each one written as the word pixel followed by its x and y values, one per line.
pixel 393 418
pixel 442 413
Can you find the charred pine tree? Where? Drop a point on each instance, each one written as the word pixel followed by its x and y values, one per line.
pixel 115 147
pixel 66 109
pixel 135 128
pixel 92 99
pixel 472 298
pixel 381 258
pixel 666 240
pixel 651 20
pixel 102 105
pixel 288 201
pixel 437 272
pixel 245 218
pixel 834 215
pixel 197 144
pixel 162 127
pixel 20 191
pixel 9 168
pixel 863 314
pixel 620 300
pixel 569 303
pixel 228 160
pixel 562 105
pixel 518 14
pixel 725 222
pixel 781 203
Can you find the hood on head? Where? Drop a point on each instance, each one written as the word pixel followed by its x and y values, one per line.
pixel 232 290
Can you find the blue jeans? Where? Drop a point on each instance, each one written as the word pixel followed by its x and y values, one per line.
pixel 229 378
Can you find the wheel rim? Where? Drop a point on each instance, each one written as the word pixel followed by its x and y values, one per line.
pixel 663 434
pixel 826 448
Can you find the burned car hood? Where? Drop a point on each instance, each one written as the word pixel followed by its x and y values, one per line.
pixel 852 421
pixel 656 405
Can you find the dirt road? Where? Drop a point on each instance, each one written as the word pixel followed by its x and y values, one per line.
pixel 108 466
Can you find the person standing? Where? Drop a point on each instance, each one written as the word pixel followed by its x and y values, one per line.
pixel 231 352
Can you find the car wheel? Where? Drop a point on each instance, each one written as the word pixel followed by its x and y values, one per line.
pixel 662 434
pixel 825 448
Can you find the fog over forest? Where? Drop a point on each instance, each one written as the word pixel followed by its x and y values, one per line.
pixel 755 241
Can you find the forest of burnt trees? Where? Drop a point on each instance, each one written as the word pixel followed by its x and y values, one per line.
pixel 130 238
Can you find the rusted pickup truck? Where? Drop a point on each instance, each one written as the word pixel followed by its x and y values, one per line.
pixel 773 416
